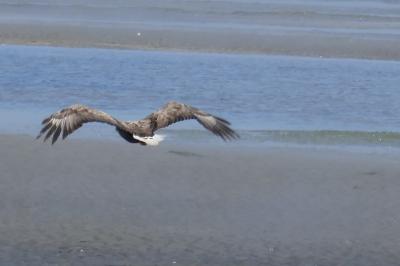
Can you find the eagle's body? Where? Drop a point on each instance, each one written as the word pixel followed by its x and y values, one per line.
pixel 142 131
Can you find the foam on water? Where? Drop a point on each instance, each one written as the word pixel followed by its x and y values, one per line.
pixel 298 137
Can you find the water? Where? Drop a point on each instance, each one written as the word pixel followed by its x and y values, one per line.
pixel 267 98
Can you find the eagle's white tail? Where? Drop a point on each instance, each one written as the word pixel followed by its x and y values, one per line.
pixel 152 141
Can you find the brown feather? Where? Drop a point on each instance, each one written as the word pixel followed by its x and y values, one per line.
pixel 174 112
pixel 71 118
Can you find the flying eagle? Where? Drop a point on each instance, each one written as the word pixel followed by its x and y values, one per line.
pixel 142 131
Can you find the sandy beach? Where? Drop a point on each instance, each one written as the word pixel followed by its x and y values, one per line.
pixel 317 29
pixel 107 203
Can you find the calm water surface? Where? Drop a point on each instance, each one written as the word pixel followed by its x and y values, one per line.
pixel 268 98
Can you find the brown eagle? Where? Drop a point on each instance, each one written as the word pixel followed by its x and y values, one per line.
pixel 142 131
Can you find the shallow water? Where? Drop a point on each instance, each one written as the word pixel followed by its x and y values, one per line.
pixel 267 98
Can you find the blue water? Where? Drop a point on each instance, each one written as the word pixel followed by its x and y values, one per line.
pixel 267 98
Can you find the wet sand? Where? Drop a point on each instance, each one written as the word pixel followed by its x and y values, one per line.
pixel 335 29
pixel 107 203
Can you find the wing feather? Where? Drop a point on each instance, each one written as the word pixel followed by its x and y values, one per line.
pixel 67 120
pixel 174 112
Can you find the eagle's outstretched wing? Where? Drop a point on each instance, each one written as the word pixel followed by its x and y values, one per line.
pixel 173 112
pixel 71 118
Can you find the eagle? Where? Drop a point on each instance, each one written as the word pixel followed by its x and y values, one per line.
pixel 69 119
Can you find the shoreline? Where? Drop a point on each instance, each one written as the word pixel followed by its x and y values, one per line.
pixel 186 51
pixel 384 143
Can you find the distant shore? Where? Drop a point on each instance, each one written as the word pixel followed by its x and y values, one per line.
pixel 112 203
pixel 337 29
pixel 309 45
